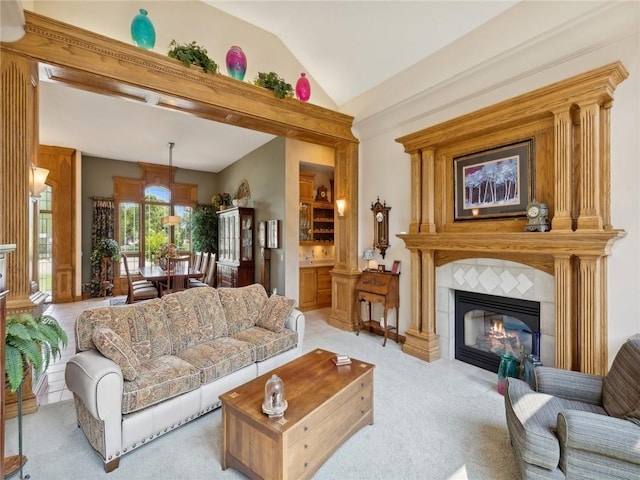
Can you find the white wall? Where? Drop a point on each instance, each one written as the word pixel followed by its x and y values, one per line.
pixel 185 21
pixel 572 48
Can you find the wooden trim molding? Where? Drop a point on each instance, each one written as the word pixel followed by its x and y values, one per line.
pixel 570 124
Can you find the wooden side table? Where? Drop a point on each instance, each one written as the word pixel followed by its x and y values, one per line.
pixel 379 287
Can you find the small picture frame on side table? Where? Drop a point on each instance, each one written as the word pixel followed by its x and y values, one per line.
pixel 381 268
pixel 396 266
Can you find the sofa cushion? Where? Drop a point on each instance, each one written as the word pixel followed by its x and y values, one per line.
pixel 274 313
pixel 532 418
pixel 219 357
pixel 112 346
pixel 142 325
pixel 266 342
pixel 621 386
pixel 159 379
pixel 194 316
pixel 242 305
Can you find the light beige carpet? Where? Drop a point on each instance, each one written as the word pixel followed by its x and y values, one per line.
pixel 440 420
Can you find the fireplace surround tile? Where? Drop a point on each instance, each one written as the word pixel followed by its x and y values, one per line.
pixel 541 290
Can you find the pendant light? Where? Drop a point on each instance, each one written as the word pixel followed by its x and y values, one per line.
pixel 170 220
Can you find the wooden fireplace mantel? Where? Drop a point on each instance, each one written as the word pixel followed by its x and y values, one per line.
pixel 569 122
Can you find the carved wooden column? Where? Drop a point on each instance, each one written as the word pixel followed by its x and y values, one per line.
pixel 563 170
pixel 591 315
pixel 416 193
pixel 345 273
pixel 423 343
pixel 428 191
pixel 564 312
pixel 19 144
pixel 590 169
pixel 605 164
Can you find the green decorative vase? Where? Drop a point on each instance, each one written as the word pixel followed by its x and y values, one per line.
pixel 142 31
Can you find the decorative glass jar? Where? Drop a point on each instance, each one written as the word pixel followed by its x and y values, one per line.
pixel 142 31
pixel 303 88
pixel 274 403
pixel 508 368
pixel 236 63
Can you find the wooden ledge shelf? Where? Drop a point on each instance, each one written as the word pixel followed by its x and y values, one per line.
pixel 552 243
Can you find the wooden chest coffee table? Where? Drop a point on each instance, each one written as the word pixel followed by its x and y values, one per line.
pixel 327 404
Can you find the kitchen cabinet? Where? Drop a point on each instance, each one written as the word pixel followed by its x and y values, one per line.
pixel 315 287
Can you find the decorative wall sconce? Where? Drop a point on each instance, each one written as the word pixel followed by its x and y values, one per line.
pixel 380 226
pixel 37 181
pixel 340 204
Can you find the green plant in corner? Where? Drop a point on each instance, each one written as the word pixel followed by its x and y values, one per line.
pixel 106 247
pixel 192 54
pixel 31 340
pixel 272 81
pixel 204 229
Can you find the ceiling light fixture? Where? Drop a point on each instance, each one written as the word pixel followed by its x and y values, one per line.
pixel 171 220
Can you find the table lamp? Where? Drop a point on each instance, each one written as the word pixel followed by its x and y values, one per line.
pixel 368 256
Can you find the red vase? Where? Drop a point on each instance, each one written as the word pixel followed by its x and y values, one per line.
pixel 303 88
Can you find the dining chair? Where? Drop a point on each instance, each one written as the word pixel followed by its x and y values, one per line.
pixel 209 279
pixel 197 260
pixel 177 275
pixel 140 289
pixel 204 263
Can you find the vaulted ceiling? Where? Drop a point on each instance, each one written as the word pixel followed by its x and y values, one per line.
pixel 348 49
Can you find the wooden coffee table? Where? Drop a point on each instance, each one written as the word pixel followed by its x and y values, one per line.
pixel 327 404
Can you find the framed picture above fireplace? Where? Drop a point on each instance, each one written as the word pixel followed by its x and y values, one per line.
pixel 494 183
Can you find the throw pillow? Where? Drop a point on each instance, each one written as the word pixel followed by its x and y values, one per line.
pixel 275 312
pixel 113 346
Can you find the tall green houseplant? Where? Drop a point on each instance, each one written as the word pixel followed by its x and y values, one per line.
pixel 31 341
pixel 204 229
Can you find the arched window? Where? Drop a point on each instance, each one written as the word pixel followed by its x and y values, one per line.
pixel 140 229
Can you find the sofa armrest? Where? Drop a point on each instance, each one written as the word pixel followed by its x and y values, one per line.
pixel 570 385
pixel 97 381
pixel 599 434
pixel 296 322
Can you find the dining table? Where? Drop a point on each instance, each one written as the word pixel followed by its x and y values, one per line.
pixel 156 274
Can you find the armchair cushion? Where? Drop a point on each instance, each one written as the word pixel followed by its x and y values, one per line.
pixel 621 389
pixel 532 418
pixel 112 346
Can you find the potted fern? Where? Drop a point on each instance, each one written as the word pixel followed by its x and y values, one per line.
pixel 272 81
pixel 31 341
pixel 192 54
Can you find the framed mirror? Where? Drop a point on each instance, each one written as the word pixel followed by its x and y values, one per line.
pixel 380 226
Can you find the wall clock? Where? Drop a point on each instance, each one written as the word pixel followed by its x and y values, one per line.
pixel 322 195
pixel 380 226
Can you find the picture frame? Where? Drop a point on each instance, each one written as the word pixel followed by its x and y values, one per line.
pixel 396 266
pixel 273 234
pixel 262 234
pixel 494 183
pixel 381 268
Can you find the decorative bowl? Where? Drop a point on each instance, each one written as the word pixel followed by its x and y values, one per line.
pixel 240 202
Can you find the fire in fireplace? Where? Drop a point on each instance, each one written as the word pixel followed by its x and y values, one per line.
pixel 487 326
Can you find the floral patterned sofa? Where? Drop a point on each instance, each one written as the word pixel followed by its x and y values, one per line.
pixel 142 370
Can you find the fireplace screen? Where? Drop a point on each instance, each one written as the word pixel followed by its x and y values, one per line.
pixel 488 326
